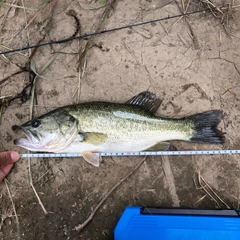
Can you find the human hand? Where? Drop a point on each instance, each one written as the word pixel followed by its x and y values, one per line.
pixel 7 160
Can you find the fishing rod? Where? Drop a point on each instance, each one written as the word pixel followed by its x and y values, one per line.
pixel 121 154
pixel 106 31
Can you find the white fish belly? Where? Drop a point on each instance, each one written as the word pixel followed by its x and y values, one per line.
pixel 139 142
pixel 126 143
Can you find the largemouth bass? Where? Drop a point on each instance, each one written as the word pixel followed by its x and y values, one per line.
pixel 114 127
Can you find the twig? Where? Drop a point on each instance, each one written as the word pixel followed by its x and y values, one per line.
pixel 90 44
pixel 212 5
pixel 200 199
pixel 6 78
pixel 38 198
pixel 5 59
pixel 208 189
pixel 33 88
pixel 31 184
pixel 43 175
pixel 187 6
pixel 14 209
pixel 20 7
pixel 80 77
pixel 214 192
pixel 49 8
pixel 80 227
pixel 183 5
pixel 10 49
pixel 40 73
pixel 26 22
pixel 232 7
pixel 5 16
pixel 142 69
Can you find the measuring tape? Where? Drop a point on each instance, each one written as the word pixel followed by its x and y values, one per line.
pixel 115 154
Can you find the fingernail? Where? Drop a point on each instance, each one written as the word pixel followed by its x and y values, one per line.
pixel 15 156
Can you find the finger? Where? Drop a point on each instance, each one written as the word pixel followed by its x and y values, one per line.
pixel 8 157
pixel 4 170
pixel 14 155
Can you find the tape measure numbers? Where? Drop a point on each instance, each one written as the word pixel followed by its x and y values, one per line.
pixel 113 154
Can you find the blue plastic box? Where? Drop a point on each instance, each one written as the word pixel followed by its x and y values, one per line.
pixel 174 223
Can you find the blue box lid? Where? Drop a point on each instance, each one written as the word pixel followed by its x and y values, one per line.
pixel 176 223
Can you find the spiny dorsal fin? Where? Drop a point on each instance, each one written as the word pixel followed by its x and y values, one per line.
pixel 146 100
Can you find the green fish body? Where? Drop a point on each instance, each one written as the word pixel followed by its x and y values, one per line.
pixel 114 127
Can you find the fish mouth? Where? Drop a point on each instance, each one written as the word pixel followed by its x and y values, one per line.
pixel 42 141
pixel 31 139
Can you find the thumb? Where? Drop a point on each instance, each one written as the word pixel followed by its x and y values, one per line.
pixel 8 157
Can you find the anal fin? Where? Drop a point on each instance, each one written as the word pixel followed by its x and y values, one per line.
pixel 160 146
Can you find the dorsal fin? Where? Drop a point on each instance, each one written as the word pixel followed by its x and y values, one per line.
pixel 146 100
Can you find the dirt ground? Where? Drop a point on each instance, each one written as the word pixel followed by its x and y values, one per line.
pixel 192 63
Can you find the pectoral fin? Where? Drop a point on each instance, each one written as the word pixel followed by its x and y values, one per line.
pixel 92 137
pixel 91 158
pixel 161 146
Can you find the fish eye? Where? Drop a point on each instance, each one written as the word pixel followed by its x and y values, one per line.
pixel 35 123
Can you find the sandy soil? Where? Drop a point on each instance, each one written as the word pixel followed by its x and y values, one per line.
pixel 191 63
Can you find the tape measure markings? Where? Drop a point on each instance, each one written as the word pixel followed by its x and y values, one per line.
pixel 112 154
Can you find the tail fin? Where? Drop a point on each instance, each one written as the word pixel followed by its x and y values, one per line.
pixel 206 127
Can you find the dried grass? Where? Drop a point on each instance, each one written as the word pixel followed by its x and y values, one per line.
pixel 14 209
pixel 81 226
pixel 201 184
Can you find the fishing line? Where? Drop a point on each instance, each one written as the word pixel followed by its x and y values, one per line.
pixel 106 31
pixel 121 154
